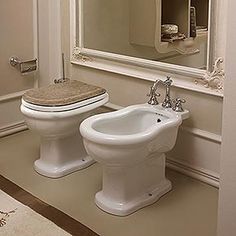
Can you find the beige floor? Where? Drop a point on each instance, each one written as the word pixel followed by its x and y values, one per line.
pixel 23 221
pixel 189 209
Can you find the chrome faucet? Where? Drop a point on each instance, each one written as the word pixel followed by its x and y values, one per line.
pixel 153 94
pixel 167 103
pixel 178 105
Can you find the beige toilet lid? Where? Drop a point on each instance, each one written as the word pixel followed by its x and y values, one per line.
pixel 61 94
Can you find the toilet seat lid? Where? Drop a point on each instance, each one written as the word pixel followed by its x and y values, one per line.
pixel 62 94
pixel 104 97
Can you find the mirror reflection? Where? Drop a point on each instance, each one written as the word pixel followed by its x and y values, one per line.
pixel 170 31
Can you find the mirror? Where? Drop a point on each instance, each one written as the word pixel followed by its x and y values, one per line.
pixel 170 31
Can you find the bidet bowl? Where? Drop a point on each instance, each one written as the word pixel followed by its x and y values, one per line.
pixel 131 125
pixel 130 134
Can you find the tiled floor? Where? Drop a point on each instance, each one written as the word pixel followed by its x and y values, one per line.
pixel 189 209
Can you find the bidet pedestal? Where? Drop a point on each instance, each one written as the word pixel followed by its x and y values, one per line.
pixel 129 188
pixel 62 156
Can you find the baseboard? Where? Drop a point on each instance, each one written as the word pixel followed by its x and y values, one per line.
pixel 198 173
pixel 12 128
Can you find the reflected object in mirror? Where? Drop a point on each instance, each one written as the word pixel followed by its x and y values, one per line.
pixel 193 23
pixel 137 28
pixel 170 33
pixel 171 38
pixel 169 29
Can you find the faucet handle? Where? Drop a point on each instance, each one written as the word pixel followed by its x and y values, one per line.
pixel 178 107
pixel 153 98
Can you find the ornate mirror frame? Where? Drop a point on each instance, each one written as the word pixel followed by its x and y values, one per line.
pixel 208 81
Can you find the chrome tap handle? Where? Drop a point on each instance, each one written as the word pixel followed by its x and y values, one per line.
pixel 167 103
pixel 153 98
pixel 153 94
pixel 178 107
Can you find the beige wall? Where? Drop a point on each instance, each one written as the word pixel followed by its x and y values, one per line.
pixel 17 39
pixel 227 199
pixel 10 114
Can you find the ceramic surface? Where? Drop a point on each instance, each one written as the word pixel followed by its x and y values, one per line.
pixel 131 145
pixel 61 150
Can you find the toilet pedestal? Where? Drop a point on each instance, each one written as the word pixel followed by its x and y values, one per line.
pixel 129 188
pixel 62 156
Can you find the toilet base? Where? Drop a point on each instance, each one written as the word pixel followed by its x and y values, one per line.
pixel 60 171
pixel 61 156
pixel 128 208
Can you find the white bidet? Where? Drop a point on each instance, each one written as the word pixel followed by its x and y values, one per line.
pixel 131 144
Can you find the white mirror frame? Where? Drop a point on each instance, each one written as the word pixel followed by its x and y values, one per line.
pixel 204 81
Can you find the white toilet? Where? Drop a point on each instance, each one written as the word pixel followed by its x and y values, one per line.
pixel 131 144
pixel 55 113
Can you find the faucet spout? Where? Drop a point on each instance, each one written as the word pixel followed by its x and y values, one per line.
pixel 167 103
pixel 154 86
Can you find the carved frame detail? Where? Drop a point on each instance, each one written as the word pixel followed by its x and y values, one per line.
pixel 214 79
